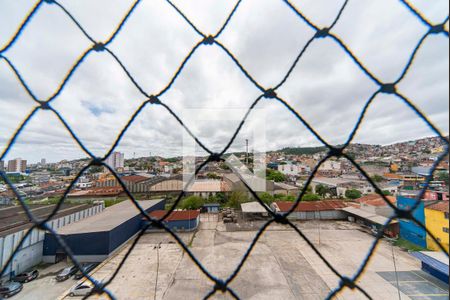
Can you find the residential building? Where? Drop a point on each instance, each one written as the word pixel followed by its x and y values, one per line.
pixel 116 160
pixel 293 169
pixel 437 222
pixel 2 165
pixel 410 230
pixel 17 165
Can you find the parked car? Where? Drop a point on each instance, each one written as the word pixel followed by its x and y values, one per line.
pixel 81 289
pixel 86 268
pixel 10 289
pixel 66 273
pixel 26 276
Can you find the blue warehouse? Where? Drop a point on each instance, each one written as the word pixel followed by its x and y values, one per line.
pixel 96 238
pixel 409 230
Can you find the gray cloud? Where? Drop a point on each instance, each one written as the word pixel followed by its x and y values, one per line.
pixel 326 87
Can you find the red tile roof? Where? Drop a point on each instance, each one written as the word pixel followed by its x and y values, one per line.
pixel 179 215
pixel 312 206
pixel 441 206
pixel 376 200
pixel 102 191
pixel 134 178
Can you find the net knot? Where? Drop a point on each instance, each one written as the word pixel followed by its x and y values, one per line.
pixel 348 283
pixel 44 105
pixel 437 28
pixel 216 157
pixel 98 289
pixel 209 40
pixel 322 33
pixel 220 286
pixel 403 214
pixel 42 225
pixel 281 219
pixel 99 47
pixel 97 161
pixel 154 100
pixel 335 152
pixel 270 94
pixel 388 88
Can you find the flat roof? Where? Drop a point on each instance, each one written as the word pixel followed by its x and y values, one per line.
pixel 108 219
pixel 374 218
pixel 333 181
pixel 303 206
pixel 14 219
pixel 253 207
pixel 177 215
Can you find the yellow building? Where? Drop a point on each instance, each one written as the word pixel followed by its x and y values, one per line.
pixel 436 220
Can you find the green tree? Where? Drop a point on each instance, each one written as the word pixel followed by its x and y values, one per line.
pixel 266 198
pixel 311 197
pixel 353 194
pixel 387 193
pixel 192 202
pixel 322 190
pixel 213 176
pixel 377 178
pixel 275 176
pixel 236 198
pixel 442 176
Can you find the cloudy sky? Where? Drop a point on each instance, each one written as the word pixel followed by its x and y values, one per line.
pixel 211 94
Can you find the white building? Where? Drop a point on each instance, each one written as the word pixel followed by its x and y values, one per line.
pixel 331 165
pixel 293 170
pixel 116 160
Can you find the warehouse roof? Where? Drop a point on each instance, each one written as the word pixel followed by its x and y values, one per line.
pixel 311 206
pixel 437 260
pixel 109 219
pixel 374 218
pixel 134 178
pixel 14 219
pixel 441 206
pixel 284 186
pixel 376 200
pixel 178 215
pixel 253 207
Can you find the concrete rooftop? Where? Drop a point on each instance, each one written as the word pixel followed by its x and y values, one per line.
pixel 109 219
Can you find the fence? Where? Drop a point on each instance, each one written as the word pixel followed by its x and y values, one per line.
pixel 222 285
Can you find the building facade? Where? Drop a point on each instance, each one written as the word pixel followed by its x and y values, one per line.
pixel 116 160
pixel 31 252
pixel 409 230
pixel 437 221
pixel 17 165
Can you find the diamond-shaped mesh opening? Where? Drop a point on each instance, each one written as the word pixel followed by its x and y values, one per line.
pixel 219 285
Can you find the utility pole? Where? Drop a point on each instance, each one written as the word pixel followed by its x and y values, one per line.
pixel 246 152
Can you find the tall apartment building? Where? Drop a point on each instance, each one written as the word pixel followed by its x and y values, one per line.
pixel 17 165
pixel 116 160
pixel 2 165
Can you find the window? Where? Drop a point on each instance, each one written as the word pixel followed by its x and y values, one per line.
pixel 445 229
pixel 446 215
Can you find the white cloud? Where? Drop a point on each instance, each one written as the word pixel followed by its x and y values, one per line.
pixel 326 86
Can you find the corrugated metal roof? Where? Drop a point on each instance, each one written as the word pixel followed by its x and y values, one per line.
pixel 178 215
pixel 134 178
pixel 311 206
pixel 441 206
pixel 253 207
pixel 437 260
pixel 374 218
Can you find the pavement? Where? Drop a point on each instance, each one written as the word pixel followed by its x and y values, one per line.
pixel 281 266
pixel 45 286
